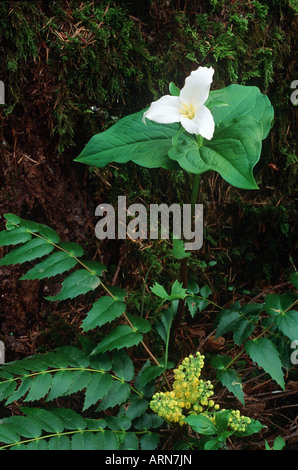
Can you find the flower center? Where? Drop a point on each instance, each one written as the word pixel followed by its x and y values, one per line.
pixel 188 111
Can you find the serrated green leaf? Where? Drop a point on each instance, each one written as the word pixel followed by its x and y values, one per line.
pixel 118 423
pixel 8 436
pixel 287 323
pixel 31 250
pixel 40 386
pixel 25 427
pixel 141 325
pixel 137 407
pixel 77 283
pixel 48 233
pixel 159 290
pixel 118 394
pixel 264 353
pixel 230 379
pixel 123 336
pixel 61 383
pixel 149 441
pixel 243 328
pixel 60 442
pixel 226 321
pixel 14 237
pixel 123 366
pixel 73 248
pixel 70 418
pixel 100 384
pixel 275 304
pixel 45 419
pixel 149 374
pixel 104 310
pixel 57 263
pixel 178 250
pixel 130 442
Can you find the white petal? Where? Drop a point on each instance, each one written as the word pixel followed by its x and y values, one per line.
pixel 202 124
pixel 165 110
pixel 197 86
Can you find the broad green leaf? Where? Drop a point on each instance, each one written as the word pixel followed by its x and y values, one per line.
pixel 31 250
pixel 233 152
pixel 241 101
pixel 55 264
pixel 104 310
pixel 48 233
pixel 264 353
pixel 287 323
pixel 77 283
pixel 201 424
pixel 130 139
pixel 123 336
pixel 230 379
pixel 294 279
pixel 18 235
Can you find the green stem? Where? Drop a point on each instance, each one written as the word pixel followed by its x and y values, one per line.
pixel 183 265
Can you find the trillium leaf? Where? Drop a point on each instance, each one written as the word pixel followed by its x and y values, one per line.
pixel 233 152
pixel 241 101
pixel 130 139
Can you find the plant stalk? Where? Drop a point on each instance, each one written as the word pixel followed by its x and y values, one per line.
pixel 183 266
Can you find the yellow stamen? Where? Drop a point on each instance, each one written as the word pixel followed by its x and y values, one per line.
pixel 188 111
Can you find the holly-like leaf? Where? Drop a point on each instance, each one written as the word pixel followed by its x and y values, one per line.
pixel 264 353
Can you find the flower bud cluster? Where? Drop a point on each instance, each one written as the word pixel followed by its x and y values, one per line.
pixel 238 422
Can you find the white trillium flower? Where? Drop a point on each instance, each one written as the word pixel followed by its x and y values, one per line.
pixel 188 108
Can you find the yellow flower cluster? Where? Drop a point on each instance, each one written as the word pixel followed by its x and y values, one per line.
pixel 238 422
pixel 191 395
pixel 189 392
